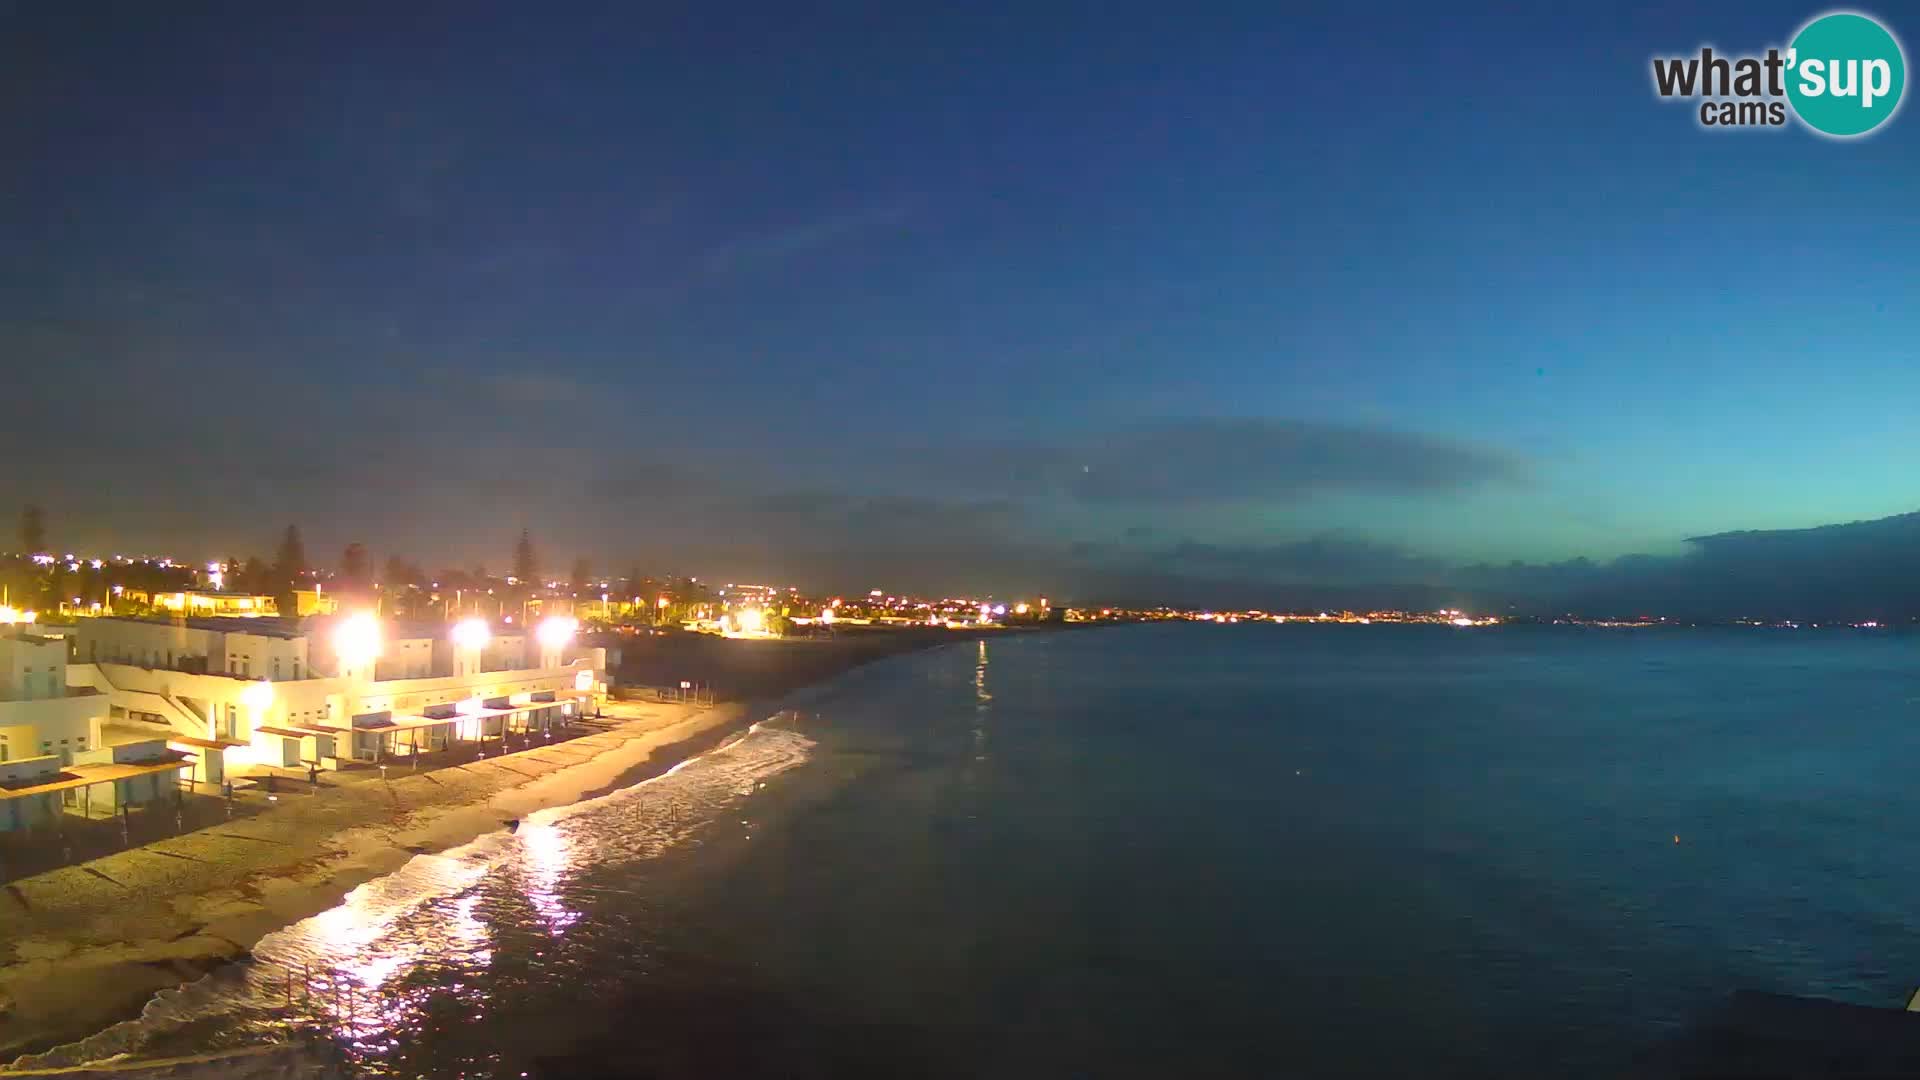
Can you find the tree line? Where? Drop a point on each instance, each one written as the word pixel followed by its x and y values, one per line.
pixel 404 584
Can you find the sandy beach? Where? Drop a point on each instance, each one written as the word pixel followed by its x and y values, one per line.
pixel 85 946
pixel 88 945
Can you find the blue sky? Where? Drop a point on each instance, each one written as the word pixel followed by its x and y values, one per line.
pixel 1431 286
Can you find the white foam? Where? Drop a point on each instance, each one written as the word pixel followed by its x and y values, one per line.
pixel 428 912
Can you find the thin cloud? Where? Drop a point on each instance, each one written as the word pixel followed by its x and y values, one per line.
pixel 1195 461
pixel 793 240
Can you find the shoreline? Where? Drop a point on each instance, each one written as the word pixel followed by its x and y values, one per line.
pixel 99 939
pixel 87 946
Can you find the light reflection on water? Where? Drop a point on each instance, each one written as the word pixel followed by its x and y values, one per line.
pixel 546 850
pixel 425 944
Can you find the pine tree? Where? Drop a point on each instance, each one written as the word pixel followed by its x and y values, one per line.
pixel 526 566
pixel 33 530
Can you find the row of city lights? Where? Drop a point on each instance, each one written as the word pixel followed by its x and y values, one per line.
pixel 357 640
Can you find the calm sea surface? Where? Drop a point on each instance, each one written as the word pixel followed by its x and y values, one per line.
pixel 1164 851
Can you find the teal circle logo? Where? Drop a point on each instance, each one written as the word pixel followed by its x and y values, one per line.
pixel 1845 74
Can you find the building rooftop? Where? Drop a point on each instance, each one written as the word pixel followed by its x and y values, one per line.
pixel 263 626
pixel 32 635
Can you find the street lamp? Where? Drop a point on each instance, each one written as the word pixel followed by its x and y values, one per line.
pixel 356 641
pixel 555 631
pixel 257 696
pixel 471 634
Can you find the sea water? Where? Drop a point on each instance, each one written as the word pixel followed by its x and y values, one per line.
pixel 1170 850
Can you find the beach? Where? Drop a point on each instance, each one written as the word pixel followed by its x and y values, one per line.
pixel 85 946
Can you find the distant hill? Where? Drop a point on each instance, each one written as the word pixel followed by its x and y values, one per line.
pixel 1857 570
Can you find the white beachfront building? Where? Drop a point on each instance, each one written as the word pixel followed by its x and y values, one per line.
pixel 40 715
pixel 321 692
pixel 53 759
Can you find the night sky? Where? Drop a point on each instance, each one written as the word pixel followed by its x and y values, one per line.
pixel 990 296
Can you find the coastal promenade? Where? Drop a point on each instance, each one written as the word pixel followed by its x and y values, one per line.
pixel 84 946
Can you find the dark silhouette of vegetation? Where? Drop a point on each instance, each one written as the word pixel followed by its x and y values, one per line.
pixel 33 530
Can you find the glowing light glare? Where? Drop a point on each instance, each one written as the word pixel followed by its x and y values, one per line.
pixel 9 616
pixel 826 615
pixel 1462 621
pixel 257 695
pixel 999 609
pixel 753 620
pixel 555 631
pixel 663 603
pixel 471 634
pixel 1020 609
pixel 356 641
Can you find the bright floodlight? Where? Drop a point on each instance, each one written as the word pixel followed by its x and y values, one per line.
pixel 257 695
pixel 752 620
pixel 356 641
pixel 556 631
pixel 471 634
